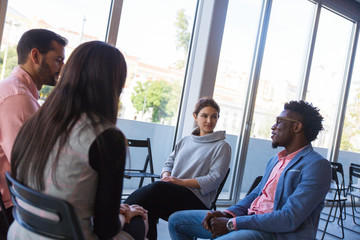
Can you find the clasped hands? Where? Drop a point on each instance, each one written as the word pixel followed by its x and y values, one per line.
pixel 130 211
pixel 215 222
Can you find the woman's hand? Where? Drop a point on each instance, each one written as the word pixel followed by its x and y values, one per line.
pixel 172 179
pixel 125 210
pixel 193 183
pixel 137 210
pixel 165 174
pixel 130 211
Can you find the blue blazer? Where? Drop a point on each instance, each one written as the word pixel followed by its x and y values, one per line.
pixel 299 198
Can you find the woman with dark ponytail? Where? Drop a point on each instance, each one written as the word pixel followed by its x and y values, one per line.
pixel 72 150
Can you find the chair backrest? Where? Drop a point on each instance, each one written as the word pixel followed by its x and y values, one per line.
pixel 354 172
pixel 134 143
pixel 334 177
pixel 338 167
pixel 354 165
pixel 213 204
pixel 254 184
pixel 66 226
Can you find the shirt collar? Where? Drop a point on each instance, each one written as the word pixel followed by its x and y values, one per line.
pixel 24 76
pixel 282 155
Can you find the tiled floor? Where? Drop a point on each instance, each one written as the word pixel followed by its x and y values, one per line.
pixel 163 233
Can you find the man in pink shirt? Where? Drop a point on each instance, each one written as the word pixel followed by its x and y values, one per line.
pixel 40 58
pixel 287 202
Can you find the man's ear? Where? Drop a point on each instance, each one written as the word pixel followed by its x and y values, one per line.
pixel 35 56
pixel 298 127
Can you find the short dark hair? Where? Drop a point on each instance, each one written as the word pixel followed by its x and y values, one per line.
pixel 311 118
pixel 206 102
pixel 40 39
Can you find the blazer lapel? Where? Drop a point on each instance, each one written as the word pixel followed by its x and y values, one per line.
pixel 280 185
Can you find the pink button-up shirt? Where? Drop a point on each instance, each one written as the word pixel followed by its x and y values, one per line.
pixel 18 102
pixel 265 202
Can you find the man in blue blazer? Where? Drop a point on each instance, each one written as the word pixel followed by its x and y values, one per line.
pixel 287 202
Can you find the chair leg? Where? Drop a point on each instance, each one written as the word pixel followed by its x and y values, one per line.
pixel 353 207
pixel 328 214
pixel 328 220
pixel 141 182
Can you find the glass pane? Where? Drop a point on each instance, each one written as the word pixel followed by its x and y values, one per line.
pixel 281 73
pixel 350 138
pixel 154 37
pixel 85 20
pixel 327 71
pixel 155 44
pixel 233 71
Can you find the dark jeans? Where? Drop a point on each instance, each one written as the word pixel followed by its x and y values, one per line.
pixel 3 226
pixel 136 228
pixel 162 199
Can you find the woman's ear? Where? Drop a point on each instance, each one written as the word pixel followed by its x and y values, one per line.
pixel 195 116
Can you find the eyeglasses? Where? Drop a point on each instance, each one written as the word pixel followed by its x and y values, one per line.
pixel 278 119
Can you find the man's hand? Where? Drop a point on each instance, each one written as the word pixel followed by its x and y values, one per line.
pixel 213 214
pixel 218 226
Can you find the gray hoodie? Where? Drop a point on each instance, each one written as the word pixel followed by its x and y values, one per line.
pixel 205 158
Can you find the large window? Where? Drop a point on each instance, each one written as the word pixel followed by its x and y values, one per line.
pixel 303 53
pixel 284 60
pixel 85 20
pixel 350 138
pixel 328 69
pixel 234 72
pixel 155 43
pixel 154 37
pixel 280 78
pixel 270 52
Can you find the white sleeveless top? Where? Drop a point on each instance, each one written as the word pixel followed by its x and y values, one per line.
pixel 76 179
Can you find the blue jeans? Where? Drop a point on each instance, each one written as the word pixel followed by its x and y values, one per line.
pixel 185 225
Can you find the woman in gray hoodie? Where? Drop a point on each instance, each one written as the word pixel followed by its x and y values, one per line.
pixel 192 173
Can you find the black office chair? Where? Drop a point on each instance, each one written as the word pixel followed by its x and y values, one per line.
pixel 213 204
pixel 254 184
pixel 342 187
pixel 252 187
pixel 354 178
pixel 354 185
pixel 66 226
pixel 142 173
pixel 3 212
pixel 334 196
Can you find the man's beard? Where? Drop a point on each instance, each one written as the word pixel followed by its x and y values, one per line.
pixel 45 72
pixel 274 145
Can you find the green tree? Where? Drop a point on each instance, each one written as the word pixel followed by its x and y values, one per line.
pixel 182 36
pixel 159 96
pixel 45 91
pixel 351 128
pixel 11 60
